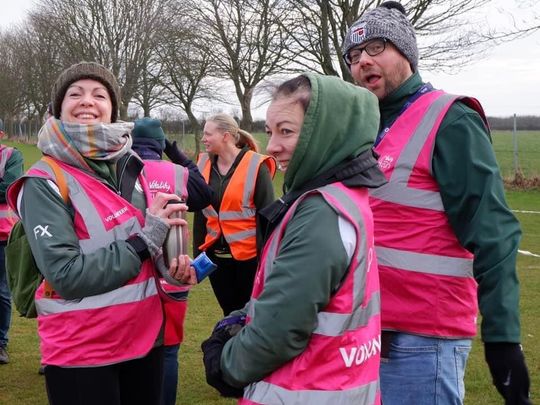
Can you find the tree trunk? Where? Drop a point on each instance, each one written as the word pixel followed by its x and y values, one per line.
pixel 123 114
pixel 146 109
pixel 196 128
pixel 245 103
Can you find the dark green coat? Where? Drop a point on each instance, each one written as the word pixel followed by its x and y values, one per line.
pixel 472 192
pixel 341 122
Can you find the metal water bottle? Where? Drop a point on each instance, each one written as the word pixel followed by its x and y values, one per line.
pixel 177 237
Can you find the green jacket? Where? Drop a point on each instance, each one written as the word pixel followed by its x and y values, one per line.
pixel 72 274
pixel 341 122
pixel 13 170
pixel 472 192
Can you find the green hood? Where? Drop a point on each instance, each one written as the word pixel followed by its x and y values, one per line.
pixel 341 122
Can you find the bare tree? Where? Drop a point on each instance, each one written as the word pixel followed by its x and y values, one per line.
pixel 10 99
pixel 248 43
pixel 185 61
pixel 150 94
pixel 449 32
pixel 30 64
pixel 39 63
pixel 116 33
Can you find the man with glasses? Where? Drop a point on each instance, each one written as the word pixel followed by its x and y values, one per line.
pixel 445 238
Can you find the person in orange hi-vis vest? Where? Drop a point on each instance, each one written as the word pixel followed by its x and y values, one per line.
pixel 227 230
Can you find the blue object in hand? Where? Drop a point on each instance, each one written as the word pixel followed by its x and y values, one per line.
pixel 203 266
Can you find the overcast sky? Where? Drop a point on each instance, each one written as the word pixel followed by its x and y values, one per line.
pixel 506 80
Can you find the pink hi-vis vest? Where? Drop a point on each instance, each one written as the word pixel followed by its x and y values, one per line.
pixel 427 284
pixel 340 365
pixel 107 328
pixel 7 216
pixel 166 177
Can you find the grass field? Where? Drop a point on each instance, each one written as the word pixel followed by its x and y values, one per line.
pixel 20 383
pixel 527 156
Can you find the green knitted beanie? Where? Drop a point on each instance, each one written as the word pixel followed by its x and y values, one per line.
pixel 149 128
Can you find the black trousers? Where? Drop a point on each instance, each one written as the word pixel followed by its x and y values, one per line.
pixel 232 282
pixel 134 382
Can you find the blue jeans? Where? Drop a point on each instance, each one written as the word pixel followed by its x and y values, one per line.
pixel 5 301
pixel 170 375
pixel 424 371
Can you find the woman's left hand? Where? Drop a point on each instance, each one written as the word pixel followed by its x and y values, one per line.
pixel 181 270
pixel 161 208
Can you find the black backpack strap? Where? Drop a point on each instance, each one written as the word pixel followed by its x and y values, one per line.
pixel 348 172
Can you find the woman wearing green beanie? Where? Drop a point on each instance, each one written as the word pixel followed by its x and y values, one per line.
pixel 179 176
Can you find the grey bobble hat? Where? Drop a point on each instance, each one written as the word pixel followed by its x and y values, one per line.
pixel 386 21
pixel 80 71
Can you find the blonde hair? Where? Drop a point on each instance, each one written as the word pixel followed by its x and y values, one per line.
pixel 226 123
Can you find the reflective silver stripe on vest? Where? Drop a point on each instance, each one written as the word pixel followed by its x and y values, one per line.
pixel 362 254
pixel 424 263
pixel 251 177
pixel 329 323
pixel 396 189
pixel 203 158
pixel 6 214
pixel 333 324
pixel 209 212
pixel 265 393
pixel 244 214
pixel 4 157
pixel 98 236
pixel 403 195
pixel 179 173
pixel 123 295
pixel 234 237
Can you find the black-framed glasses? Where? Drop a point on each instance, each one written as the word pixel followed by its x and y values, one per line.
pixel 373 48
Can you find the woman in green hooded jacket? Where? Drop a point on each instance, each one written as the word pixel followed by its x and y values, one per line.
pixel 321 131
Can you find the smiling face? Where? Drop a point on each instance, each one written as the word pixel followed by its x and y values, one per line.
pixel 86 101
pixel 284 120
pixel 383 73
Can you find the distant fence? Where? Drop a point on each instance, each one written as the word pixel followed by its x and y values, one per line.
pixel 24 129
pixel 517 155
pixel 27 129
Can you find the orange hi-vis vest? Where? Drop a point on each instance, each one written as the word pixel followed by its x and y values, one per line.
pixel 236 217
